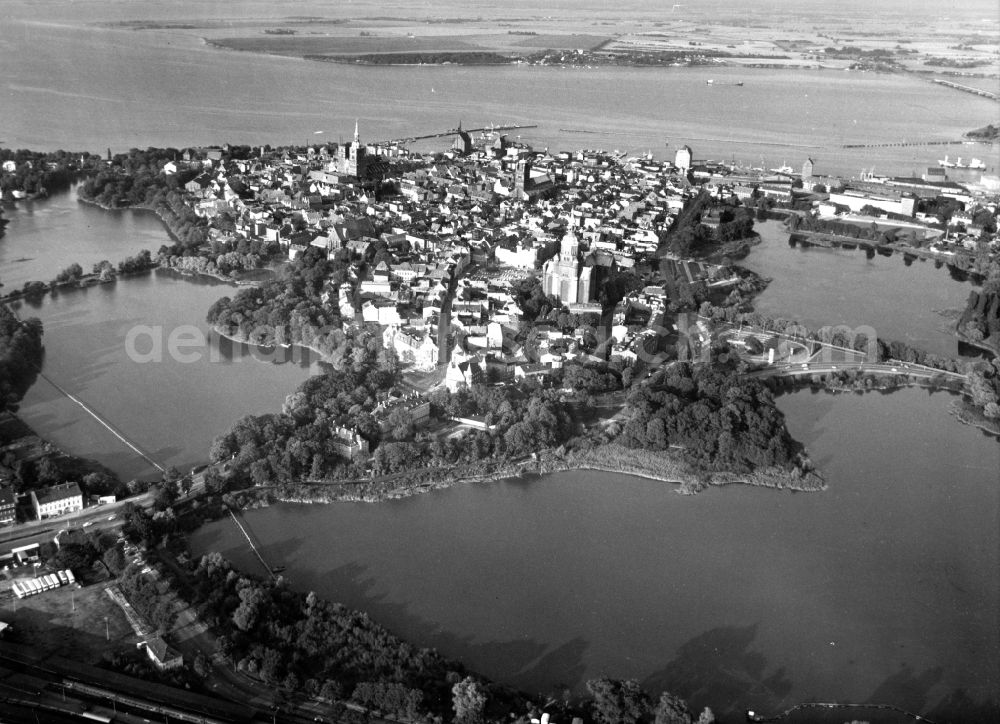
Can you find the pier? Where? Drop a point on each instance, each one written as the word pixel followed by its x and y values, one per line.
pixel 969 89
pixel 455 132
pixel 271 572
pixel 104 423
pixel 90 411
pixel 902 144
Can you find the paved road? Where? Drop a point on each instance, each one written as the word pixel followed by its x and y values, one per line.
pixel 99 517
pixel 887 368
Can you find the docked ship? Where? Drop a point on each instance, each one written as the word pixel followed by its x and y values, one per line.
pixel 974 164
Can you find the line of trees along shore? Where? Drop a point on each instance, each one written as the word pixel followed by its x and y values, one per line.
pixel 34 464
pixel 291 309
pixel 21 355
pixel 721 421
pixel 705 413
pixel 137 180
pixel 298 642
pixel 38 173
pixel 687 236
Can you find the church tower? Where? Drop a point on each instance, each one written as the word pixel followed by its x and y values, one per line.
pixel 352 158
pixel 807 172
pixel 522 179
pixel 563 276
pixel 355 145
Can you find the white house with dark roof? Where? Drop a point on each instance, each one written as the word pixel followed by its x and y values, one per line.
pixel 57 500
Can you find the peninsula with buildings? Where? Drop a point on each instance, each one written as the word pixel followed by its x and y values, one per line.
pixel 482 312
pixel 462 288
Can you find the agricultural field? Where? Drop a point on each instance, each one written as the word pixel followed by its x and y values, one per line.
pixel 801 37
pixel 311 45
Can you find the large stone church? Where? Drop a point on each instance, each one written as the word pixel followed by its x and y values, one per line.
pixel 352 158
pixel 564 275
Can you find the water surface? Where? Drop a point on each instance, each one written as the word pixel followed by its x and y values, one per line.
pixel 45 236
pixel 170 405
pixel 883 588
pixel 912 302
pixel 79 86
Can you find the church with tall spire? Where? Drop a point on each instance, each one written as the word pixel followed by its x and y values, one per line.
pixel 353 158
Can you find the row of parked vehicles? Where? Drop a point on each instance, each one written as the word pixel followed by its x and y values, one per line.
pixel 33 586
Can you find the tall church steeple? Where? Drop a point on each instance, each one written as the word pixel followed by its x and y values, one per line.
pixel 357 139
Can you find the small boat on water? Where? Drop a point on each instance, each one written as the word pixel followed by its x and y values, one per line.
pixel 945 163
pixel 739 82
pixel 709 81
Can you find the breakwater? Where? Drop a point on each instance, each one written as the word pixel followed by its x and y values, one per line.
pixel 968 89
pixel 902 144
pixel 754 717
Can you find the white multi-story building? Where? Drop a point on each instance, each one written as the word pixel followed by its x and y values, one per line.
pixel 57 500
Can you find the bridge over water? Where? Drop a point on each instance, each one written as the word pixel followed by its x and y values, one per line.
pixel 802 356
pixel 891 367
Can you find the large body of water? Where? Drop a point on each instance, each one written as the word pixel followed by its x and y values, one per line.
pixel 101 345
pixel 883 588
pixel 817 287
pixel 47 235
pixel 72 84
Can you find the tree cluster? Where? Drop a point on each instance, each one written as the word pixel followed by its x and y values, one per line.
pixel 522 419
pixel 299 443
pixel 984 388
pixel 303 643
pixel 36 172
pixel 147 598
pixel 734 224
pixel 72 273
pixel 291 309
pixel 615 701
pixel 807 222
pixel 687 236
pixel 142 261
pixel 719 420
pixel 896 350
pixel 137 179
pixel 980 321
pixel 21 355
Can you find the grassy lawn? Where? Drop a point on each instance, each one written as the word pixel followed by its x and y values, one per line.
pixel 69 621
